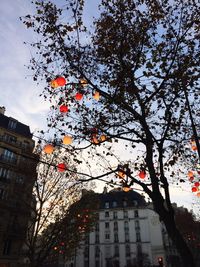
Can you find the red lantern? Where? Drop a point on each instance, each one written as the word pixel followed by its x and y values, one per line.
pixel 191 178
pixel 196 184
pixel 142 174
pixel 61 81
pixel 61 167
pixel 78 96
pixel 64 108
pixel 194 189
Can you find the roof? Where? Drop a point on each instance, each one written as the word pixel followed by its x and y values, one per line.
pixel 131 198
pixel 20 128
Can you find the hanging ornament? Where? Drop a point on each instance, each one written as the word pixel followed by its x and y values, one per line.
pixel 67 140
pixel 193 145
pixel 96 95
pixel 190 174
pixel 103 138
pixel 61 81
pixel 126 188
pixel 194 189
pixel 61 167
pixel 54 84
pixel 83 82
pixel 196 184
pixel 121 174
pixel 48 148
pixel 64 108
pixel 94 139
pixel 78 96
pixel 142 174
pixel 191 178
pixel 198 194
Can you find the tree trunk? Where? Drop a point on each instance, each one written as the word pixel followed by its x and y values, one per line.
pixel 168 219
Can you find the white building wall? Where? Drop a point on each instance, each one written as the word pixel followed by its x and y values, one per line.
pixel 149 228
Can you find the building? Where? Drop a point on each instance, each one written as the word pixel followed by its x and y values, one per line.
pixel 17 176
pixel 127 234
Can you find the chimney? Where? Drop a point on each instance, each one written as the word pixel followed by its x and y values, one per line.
pixel 2 110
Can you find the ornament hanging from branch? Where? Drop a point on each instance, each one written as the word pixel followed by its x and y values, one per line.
pixel 48 149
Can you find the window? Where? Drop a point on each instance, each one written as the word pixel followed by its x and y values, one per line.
pixel 125 214
pixel 107 236
pixel 126 237
pixel 12 124
pixel 135 203
pixel 115 214
pixel 97 227
pixel 128 251
pixel 138 238
pixel 107 214
pixel 116 252
pixel 114 204
pixel 86 252
pixel 137 225
pixel 107 225
pixel 126 227
pixel 106 205
pixel 10 138
pixel 86 263
pixel 2 193
pixel 116 237
pixel 124 203
pixel 97 238
pixel 5 173
pixel 136 213
pixel 116 263
pixel 7 247
pixel 9 156
pixel 87 239
pixel 97 251
pixel 115 226
pixel 97 264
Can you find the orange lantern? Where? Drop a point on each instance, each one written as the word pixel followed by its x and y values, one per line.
pixel 61 81
pixel 193 144
pixel 83 82
pixel 54 83
pixel 96 95
pixel 67 140
pixel 194 189
pixel 103 138
pixel 78 96
pixel 198 194
pixel 190 174
pixel 126 189
pixel 121 174
pixel 48 148
pixel 94 139
pixel 61 167
pixel 64 108
pixel 142 174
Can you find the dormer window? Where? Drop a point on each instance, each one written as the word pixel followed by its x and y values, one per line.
pixel 12 124
pixel 106 205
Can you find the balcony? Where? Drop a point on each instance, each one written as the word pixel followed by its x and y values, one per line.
pixel 13 142
pixel 7 159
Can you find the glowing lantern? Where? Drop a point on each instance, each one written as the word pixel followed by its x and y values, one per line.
pixel 142 174
pixel 103 138
pixel 78 96
pixel 55 248
pixel 121 174
pixel 193 144
pixel 196 184
pixel 126 189
pixel 61 167
pixel 190 174
pixel 83 82
pixel 54 83
pixel 194 189
pixel 48 148
pixel 96 96
pixel 67 140
pixel 64 108
pixel 94 139
pixel 191 178
pixel 61 81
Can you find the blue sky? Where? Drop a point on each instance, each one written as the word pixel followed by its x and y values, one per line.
pixel 19 94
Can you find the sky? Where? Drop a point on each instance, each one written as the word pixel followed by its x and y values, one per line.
pixel 19 94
